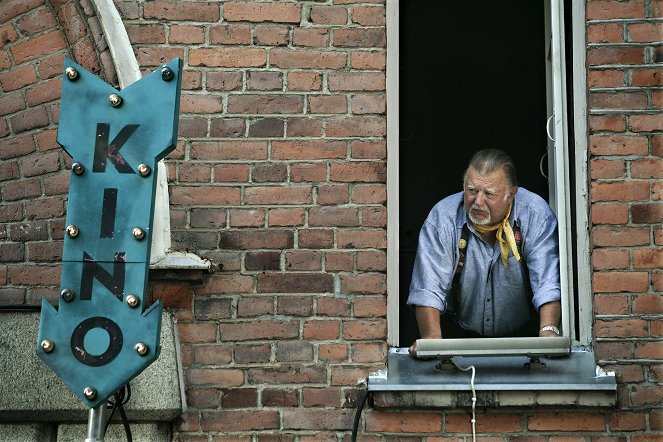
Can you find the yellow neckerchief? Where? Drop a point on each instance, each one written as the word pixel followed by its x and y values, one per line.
pixel 505 244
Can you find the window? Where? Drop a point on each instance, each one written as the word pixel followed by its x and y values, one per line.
pixel 488 77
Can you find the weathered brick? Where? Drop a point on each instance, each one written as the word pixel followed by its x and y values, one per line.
pixel 369 60
pixel 333 352
pixel 247 217
pixel 204 332
pixel 259 239
pixel 255 306
pixel 610 213
pixel 176 11
pixel 369 352
pixel 621 328
pixel 321 397
pixel 286 217
pixel 38 46
pixel 369 15
pixel 308 172
pixel 267 127
pixel 278 195
pixel 622 190
pixel 611 282
pixel 185 34
pixel 646 123
pixel 316 238
pixel 645 77
pixel 647 213
pixel 224 80
pixel 304 81
pixel 645 32
pixel 617 100
pixel 328 15
pixel 315 419
pixel 190 195
pixel 360 38
pixel 606 259
pixel 600 55
pixel 288 374
pixel 254 330
pixel 277 397
pixel 11 102
pixel 607 9
pixel 362 239
pixel 328 104
pixel 213 309
pixel 17 190
pixel 610 305
pixel 303 260
pixel 293 351
pixel 230 283
pixel 239 420
pixel 271 35
pixel 252 353
pixel 307 59
pixel 311 37
pixel 228 57
pixel 229 128
pixel 322 329
pixel 357 81
pixel 413 422
pixel 30 119
pixel 262 12
pixel 295 283
pixel 576 421
pixel 365 329
pixel 648 258
pixel 290 305
pixel 605 78
pixel 202 397
pixel 605 33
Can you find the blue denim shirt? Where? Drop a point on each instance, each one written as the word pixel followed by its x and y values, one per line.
pixel 494 300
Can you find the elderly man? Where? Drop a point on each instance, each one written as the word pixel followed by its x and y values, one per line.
pixel 487 262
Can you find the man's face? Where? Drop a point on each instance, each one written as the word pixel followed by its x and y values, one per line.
pixel 487 196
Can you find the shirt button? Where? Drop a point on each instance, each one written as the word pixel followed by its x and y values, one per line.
pixel 488 300
pixel 488 320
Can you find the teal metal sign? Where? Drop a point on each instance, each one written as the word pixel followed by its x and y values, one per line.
pixel 102 334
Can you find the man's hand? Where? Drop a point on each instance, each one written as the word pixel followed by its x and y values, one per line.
pixel 428 320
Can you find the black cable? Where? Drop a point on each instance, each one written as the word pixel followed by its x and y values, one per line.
pixel 360 406
pixel 121 398
pixel 20 308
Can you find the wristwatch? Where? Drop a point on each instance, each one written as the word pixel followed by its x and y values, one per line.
pixel 551 328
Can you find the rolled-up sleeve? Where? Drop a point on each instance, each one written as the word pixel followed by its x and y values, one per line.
pixel 541 247
pixel 433 267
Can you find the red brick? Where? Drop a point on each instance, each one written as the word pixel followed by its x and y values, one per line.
pixel 295 283
pixel 146 33
pixel 648 304
pixel 295 305
pixel 321 329
pixel 360 38
pixel 369 15
pixel 648 258
pixel 230 283
pixel 189 195
pixel 603 259
pixel 646 77
pixel 36 47
pixel 13 8
pixel 270 35
pixel 328 104
pixel 233 420
pixel 645 394
pixel 23 189
pixel 620 328
pixel 647 168
pixel 375 60
pixel 12 252
pixel 317 419
pixel 601 55
pixel 202 397
pixel 334 306
pixel 278 195
pixel 372 261
pixel 620 236
pixel 316 239
pixel 197 332
pixel 232 34
pixel 646 123
pixel 239 398
pixel 37 21
pixel 30 119
pixel 200 104
pixel 308 150
pixel 173 295
pixel 610 304
pixel 501 423
pixel 265 81
pixel 247 217
pixel 307 59
pixel 254 330
pixel 365 283
pixel 611 282
pixel 413 422
pixel 228 57
pixel 175 11
pixel 262 12
pixel 368 104
pixel 605 33
pixel 609 9
pixel 12 102
pixel 44 208
pixel 311 37
pixel 371 352
pixel 304 81
pixel 303 260
pixel 265 104
pixel 362 239
pixel 605 78
pixel 72 23
pixel 268 127
pixel 357 81
pixel 647 213
pixel 610 213
pixel 645 32
pixel 260 239
pixel 365 329
pixel 279 398
pixel 357 127
pixel 623 190
pixel 576 421
pixel 333 352
pixel 252 353
pixel 328 15
pixel 286 217
pixel 185 34
pixel 308 172
pixel 321 397
pixel 333 216
pixel 31 275
pixel 339 262
pixel 10 212
pixel 607 123
pixel 9 171
pixel 288 374
pixel 617 100
pixel 18 78
pixel 148 56
pixel 293 351
pixel 225 81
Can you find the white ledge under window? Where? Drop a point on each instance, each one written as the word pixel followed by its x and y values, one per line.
pixel 500 381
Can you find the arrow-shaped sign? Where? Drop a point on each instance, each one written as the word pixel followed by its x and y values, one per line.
pixel 102 335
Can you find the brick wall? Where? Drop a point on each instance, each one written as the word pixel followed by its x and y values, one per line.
pixel 34 37
pixel 279 178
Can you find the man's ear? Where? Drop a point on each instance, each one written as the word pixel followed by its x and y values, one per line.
pixel 511 194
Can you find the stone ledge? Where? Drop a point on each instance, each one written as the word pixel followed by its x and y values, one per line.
pixel 140 432
pixel 36 394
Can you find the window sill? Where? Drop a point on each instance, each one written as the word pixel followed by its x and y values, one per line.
pixel 500 381
pixel 180 266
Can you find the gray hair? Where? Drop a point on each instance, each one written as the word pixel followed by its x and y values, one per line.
pixel 490 160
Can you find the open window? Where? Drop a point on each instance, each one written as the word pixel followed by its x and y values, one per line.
pixel 506 75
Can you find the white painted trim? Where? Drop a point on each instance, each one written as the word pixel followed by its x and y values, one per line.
pixel 583 264
pixel 128 72
pixel 393 205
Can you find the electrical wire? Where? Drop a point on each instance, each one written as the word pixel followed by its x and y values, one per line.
pixel 474 397
pixel 360 406
pixel 121 398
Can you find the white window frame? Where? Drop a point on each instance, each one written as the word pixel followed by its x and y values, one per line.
pixel 561 202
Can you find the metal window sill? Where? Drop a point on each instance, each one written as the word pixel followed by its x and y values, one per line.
pixel 500 381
